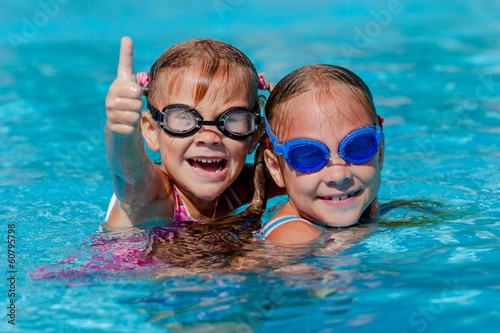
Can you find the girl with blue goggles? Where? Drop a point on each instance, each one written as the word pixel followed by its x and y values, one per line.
pixel 307 155
pixel 316 101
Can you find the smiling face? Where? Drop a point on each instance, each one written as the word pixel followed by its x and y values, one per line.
pixel 337 194
pixel 207 162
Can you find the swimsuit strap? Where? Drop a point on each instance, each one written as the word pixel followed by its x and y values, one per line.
pixel 181 212
pixel 269 226
pixel 111 204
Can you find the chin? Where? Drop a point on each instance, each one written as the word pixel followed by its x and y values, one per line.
pixel 209 193
pixel 346 224
pixel 341 220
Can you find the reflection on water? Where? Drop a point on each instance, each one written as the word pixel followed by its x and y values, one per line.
pixel 433 70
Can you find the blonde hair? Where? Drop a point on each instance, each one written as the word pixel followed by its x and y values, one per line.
pixel 323 79
pixel 213 59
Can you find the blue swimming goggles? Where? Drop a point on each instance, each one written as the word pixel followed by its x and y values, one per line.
pixel 307 155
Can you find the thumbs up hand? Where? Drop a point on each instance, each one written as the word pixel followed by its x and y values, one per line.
pixel 124 103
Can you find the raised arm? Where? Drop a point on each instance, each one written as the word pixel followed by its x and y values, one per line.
pixel 135 177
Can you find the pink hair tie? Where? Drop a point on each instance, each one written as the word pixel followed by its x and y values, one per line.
pixel 143 79
pixel 263 81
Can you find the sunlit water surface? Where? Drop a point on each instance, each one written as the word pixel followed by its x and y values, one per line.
pixel 433 68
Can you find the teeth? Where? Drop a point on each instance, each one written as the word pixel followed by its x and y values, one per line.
pixel 207 160
pixel 343 197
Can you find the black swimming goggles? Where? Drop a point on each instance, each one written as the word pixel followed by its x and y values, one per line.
pixel 181 120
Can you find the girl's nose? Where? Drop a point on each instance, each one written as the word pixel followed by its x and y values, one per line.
pixel 337 171
pixel 208 136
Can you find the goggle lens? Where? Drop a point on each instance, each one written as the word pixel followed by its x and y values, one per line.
pixel 179 120
pixel 240 123
pixel 307 158
pixel 360 149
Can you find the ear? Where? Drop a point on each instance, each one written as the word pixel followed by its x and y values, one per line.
pixel 273 166
pixel 381 152
pixel 254 139
pixel 149 129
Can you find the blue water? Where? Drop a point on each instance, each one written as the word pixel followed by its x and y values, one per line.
pixel 434 70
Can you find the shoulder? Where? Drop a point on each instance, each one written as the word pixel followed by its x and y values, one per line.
pixel 142 209
pixel 116 216
pixel 291 230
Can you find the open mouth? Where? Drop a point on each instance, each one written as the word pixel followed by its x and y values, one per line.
pixel 343 197
pixel 208 164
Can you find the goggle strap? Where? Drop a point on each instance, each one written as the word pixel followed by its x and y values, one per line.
pixel 155 113
pixel 379 134
pixel 258 118
pixel 278 147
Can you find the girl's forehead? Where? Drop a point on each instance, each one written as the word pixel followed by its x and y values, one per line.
pixel 333 112
pixel 187 82
pixel 333 104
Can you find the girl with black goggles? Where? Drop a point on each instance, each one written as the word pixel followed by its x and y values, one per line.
pixel 181 120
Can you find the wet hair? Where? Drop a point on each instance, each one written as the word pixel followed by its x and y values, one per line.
pixel 212 59
pixel 328 81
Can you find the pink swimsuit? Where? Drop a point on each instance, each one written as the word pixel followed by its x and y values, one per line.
pixel 181 213
pixel 120 252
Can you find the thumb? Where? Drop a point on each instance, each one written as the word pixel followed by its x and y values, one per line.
pixel 126 62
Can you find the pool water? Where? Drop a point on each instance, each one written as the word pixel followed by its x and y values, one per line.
pixel 434 70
